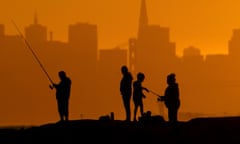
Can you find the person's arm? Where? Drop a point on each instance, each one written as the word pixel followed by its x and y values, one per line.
pixel 53 86
pixel 145 89
pixel 143 95
pixel 163 97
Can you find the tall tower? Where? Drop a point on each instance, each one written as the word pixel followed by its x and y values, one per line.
pixel 2 29
pixel 36 34
pixel 83 43
pixel 234 44
pixel 143 19
pixel 35 18
pixel 153 54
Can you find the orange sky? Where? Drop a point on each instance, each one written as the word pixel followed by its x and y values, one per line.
pixel 204 24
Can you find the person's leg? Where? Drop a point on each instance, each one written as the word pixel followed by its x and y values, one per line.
pixel 135 112
pixel 169 115
pixel 60 110
pixel 172 112
pixel 126 102
pixel 66 110
pixel 141 108
pixel 128 110
pixel 175 115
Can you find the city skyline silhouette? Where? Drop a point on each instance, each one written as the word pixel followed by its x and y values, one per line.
pixel 189 21
pixel 208 84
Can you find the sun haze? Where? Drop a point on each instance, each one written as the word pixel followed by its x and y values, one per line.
pixel 204 24
pixel 187 28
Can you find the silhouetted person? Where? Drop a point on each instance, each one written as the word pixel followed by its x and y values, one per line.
pixel 63 89
pixel 138 94
pixel 126 90
pixel 171 98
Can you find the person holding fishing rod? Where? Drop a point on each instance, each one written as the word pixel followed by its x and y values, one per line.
pixel 138 94
pixel 63 89
pixel 171 98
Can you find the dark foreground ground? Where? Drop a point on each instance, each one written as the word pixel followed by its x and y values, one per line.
pixel 149 131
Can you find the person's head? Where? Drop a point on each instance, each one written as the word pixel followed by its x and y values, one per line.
pixel 124 69
pixel 140 76
pixel 61 74
pixel 171 79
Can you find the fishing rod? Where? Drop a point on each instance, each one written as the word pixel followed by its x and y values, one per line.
pixel 35 56
pixel 160 97
pixel 154 93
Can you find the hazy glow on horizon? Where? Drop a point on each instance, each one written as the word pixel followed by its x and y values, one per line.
pixel 204 24
pixel 207 25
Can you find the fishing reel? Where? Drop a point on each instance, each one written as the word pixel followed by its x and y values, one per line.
pixel 51 87
pixel 160 98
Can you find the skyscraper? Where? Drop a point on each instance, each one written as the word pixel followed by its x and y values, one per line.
pixel 36 34
pixel 154 54
pixel 83 44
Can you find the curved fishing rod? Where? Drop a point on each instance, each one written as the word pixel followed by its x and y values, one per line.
pixel 35 56
pixel 159 97
pixel 154 93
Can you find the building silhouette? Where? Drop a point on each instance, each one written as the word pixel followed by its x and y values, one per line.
pixel 154 53
pixel 2 34
pixel 209 83
pixel 36 34
pixel 83 44
pixel 109 76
